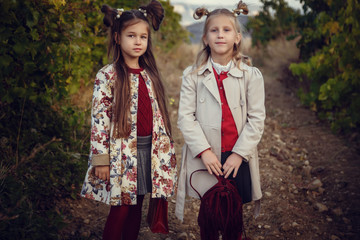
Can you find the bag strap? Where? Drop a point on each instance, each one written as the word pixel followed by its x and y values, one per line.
pixel 201 170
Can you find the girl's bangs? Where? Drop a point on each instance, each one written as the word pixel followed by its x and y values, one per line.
pixel 133 22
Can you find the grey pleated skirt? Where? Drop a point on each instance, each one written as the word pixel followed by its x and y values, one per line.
pixel 143 164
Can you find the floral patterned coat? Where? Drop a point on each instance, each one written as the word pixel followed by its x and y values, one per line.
pixel 121 153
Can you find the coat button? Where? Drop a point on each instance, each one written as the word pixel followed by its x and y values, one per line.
pixel 242 102
pixel 202 99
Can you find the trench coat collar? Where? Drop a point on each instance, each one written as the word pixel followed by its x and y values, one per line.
pixel 234 71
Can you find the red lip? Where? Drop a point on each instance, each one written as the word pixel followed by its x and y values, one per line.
pixel 220 43
pixel 137 49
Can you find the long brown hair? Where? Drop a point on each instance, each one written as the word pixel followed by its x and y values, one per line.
pixel 117 20
pixel 205 52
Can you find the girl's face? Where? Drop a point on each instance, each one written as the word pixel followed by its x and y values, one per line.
pixel 221 36
pixel 134 41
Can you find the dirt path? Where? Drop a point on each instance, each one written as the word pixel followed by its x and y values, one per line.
pixel 309 180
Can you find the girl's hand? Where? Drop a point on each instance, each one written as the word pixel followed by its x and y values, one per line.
pixel 103 172
pixel 211 162
pixel 233 162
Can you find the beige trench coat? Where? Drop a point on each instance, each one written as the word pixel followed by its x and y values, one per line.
pixel 200 123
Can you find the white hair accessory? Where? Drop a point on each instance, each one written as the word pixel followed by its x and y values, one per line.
pixel 120 11
pixel 237 12
pixel 143 11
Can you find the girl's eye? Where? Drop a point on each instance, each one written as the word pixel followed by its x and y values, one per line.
pixel 131 35
pixel 144 37
pixel 213 30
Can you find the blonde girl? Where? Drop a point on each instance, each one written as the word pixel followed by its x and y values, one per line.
pixel 131 148
pixel 221 111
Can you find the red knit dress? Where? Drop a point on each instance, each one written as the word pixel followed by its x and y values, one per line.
pixel 144 133
pixel 144 113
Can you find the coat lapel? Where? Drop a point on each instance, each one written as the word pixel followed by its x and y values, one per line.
pixel 210 80
pixel 210 84
pixel 232 87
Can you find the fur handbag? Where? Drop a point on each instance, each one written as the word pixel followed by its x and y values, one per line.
pixel 220 211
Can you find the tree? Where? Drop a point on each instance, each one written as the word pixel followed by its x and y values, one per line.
pixel 274 20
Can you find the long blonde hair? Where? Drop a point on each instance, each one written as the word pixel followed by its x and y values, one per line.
pixel 205 52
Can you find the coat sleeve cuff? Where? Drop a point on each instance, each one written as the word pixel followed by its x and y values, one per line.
pixel 245 157
pixel 199 155
pixel 100 160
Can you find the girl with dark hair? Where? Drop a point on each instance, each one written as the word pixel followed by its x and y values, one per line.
pixel 132 152
pixel 221 114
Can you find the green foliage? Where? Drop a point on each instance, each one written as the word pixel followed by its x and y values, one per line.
pixel 330 36
pixel 329 73
pixel 48 50
pixel 274 20
pixel 42 162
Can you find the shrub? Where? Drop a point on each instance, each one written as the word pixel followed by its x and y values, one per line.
pixel 331 62
pixel 48 50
